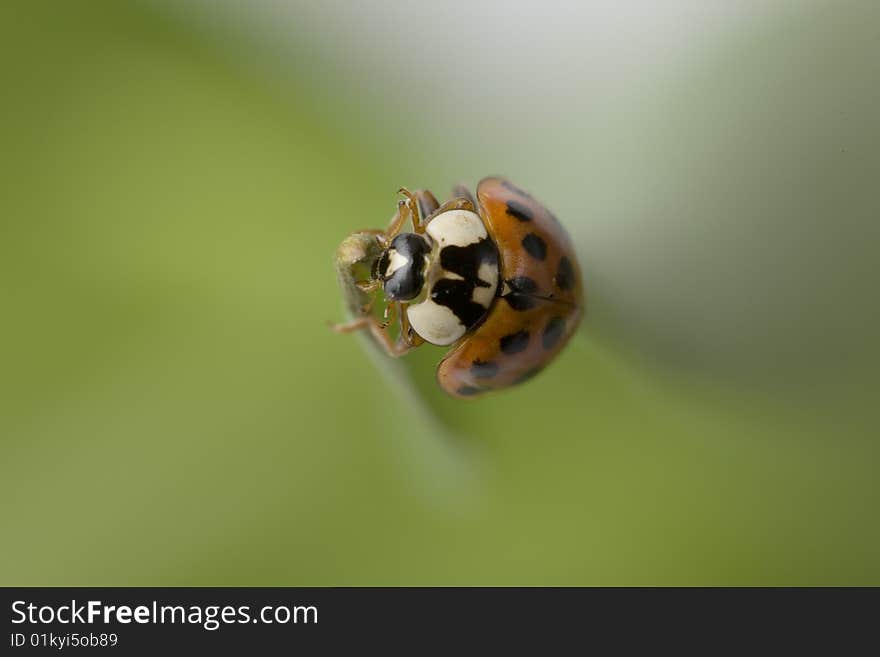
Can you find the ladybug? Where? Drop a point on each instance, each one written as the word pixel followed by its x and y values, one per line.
pixel 492 276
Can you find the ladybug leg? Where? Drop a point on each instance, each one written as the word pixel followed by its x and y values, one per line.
pixel 369 286
pixel 390 313
pixel 413 208
pixel 406 332
pixel 396 223
pixel 378 331
pixel 457 204
pixel 461 191
pixel 416 207
pixel 427 203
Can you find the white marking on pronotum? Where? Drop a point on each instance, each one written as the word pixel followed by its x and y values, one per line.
pixel 483 296
pixel 457 227
pixel 396 261
pixel 435 323
pixel 487 272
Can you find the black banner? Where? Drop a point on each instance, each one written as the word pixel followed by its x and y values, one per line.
pixel 122 621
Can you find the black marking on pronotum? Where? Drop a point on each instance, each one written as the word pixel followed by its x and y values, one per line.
pixel 535 246
pixel 528 374
pixel 513 188
pixel 552 332
pixel 467 391
pixel 467 260
pixel 407 281
pixel 484 369
pixel 565 274
pixel 518 210
pixel 515 342
pixel 456 295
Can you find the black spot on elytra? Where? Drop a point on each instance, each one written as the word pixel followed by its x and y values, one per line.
pixel 520 302
pixel 529 374
pixel 484 369
pixel 456 295
pixel 523 284
pixel 515 342
pixel 535 246
pixel 467 391
pixel 518 210
pixel 565 274
pixel 520 288
pixel 552 332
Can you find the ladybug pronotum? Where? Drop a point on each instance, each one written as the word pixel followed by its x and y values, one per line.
pixel 494 277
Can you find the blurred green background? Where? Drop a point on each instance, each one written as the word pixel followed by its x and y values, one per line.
pixel 176 177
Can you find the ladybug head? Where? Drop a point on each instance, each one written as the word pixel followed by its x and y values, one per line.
pixel 401 267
